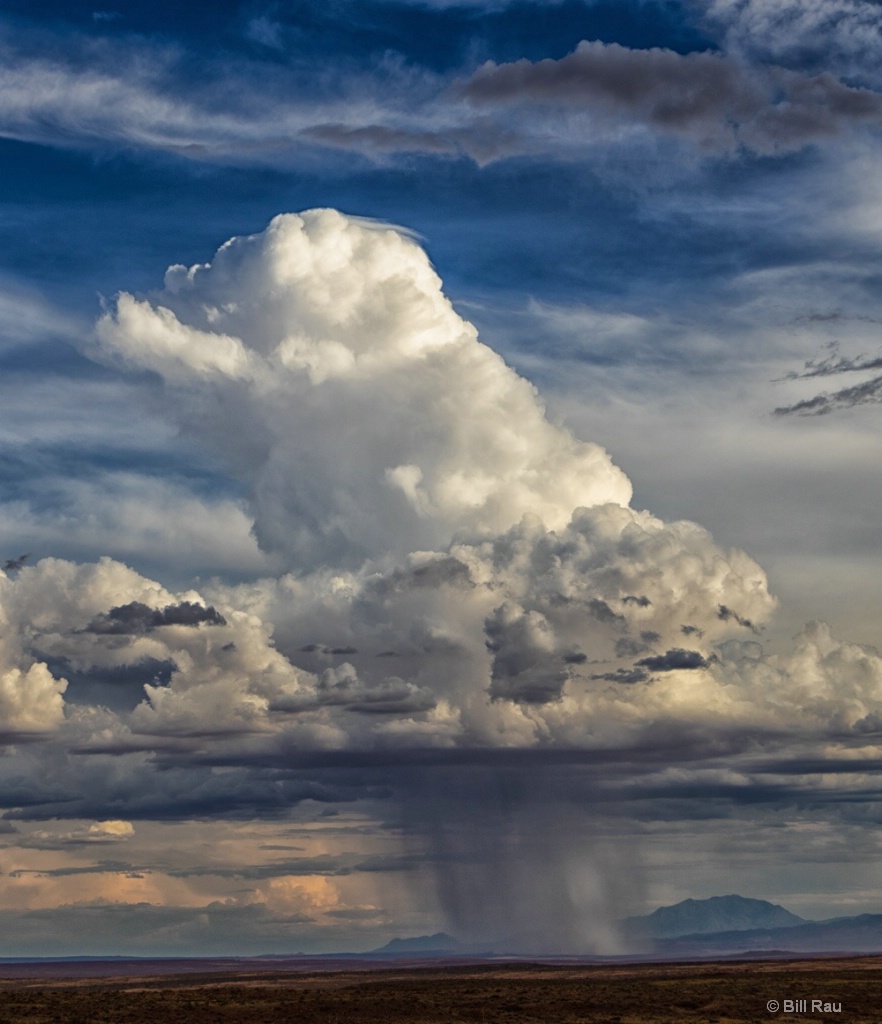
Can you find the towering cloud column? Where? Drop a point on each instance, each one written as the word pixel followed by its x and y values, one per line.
pixel 428 510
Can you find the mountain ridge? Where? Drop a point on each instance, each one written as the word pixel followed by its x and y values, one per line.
pixel 717 926
pixel 716 914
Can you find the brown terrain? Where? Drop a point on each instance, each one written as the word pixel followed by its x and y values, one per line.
pixel 438 992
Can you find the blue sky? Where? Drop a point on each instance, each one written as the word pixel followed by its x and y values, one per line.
pixel 666 218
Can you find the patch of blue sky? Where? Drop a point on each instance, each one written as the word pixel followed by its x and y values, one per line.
pixel 435 36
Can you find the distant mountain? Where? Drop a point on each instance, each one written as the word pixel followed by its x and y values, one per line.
pixel 440 942
pixel 717 914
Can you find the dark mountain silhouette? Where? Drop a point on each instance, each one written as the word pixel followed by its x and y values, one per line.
pixel 440 942
pixel 722 926
pixel 717 914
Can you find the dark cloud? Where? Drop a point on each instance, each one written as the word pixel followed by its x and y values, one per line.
pixel 14 564
pixel 603 613
pixel 676 658
pixel 118 687
pixel 439 572
pixel 102 787
pixel 322 649
pixel 716 101
pixel 642 601
pixel 521 642
pixel 342 688
pixel 688 630
pixel 103 928
pixel 134 618
pixel 623 675
pixel 628 647
pixel 104 867
pixel 836 363
pixel 575 658
pixel 726 614
pixel 867 392
pixel 324 864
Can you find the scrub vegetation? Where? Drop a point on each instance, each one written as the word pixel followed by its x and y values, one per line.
pixel 728 993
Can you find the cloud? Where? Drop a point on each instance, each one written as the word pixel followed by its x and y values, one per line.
pixel 843 34
pixel 97 832
pixel 26 318
pixel 416 499
pixel 136 617
pixel 340 320
pixel 241 110
pixel 866 392
pixel 726 614
pixel 676 658
pixel 489 548
pixel 140 518
pixel 86 101
pixel 709 98
pixel 527 604
pixel 458 528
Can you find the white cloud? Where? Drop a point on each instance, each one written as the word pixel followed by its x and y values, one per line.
pixel 371 421
pixel 600 99
pixel 26 317
pixel 141 519
pixel 462 572
pixel 843 35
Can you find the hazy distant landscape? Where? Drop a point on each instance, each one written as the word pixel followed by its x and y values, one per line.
pixel 718 926
pixel 695 967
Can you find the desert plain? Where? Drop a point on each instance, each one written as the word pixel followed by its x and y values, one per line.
pixel 194 992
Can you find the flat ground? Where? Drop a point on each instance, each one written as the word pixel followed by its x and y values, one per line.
pixel 696 993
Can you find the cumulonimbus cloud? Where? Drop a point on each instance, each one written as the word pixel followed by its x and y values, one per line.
pixel 455 571
pixel 458 582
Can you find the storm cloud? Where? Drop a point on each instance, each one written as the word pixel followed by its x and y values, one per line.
pixel 535 617
pixel 493 552
pixel 136 617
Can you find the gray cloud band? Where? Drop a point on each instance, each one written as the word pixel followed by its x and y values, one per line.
pixel 710 98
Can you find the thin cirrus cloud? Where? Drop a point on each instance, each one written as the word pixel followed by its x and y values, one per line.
pixel 842 34
pixel 714 101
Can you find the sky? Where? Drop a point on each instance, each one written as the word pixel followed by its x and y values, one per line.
pixel 445 441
